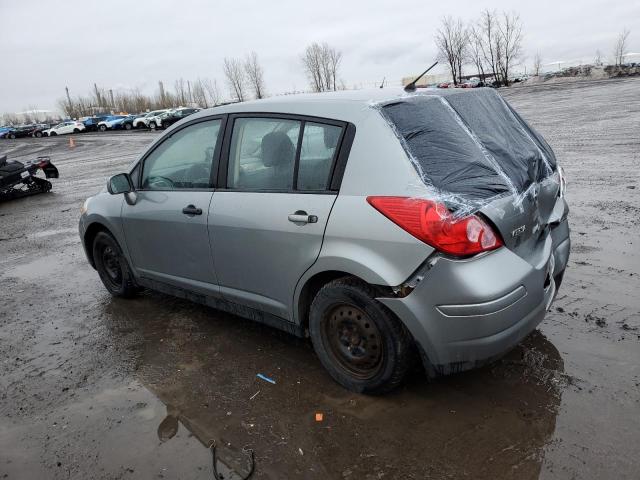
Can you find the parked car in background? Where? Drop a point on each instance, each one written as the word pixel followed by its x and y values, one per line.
pixel 174 116
pixel 20 131
pixel 91 123
pixel 112 122
pixel 39 130
pixel 4 130
pixel 70 126
pixel 143 121
pixel 170 117
pixel 332 219
pixel 127 123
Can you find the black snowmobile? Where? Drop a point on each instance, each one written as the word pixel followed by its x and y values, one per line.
pixel 19 179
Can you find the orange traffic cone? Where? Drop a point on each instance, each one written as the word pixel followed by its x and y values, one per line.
pixel 72 142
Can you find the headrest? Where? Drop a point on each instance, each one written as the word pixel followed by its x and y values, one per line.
pixel 331 136
pixel 277 149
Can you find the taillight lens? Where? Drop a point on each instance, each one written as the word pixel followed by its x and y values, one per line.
pixel 434 224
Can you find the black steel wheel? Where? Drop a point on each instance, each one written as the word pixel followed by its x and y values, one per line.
pixel 354 340
pixel 112 266
pixel 360 342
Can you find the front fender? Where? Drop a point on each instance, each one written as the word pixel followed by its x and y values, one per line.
pixel 104 210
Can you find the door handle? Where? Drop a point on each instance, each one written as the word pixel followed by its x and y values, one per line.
pixel 192 210
pixel 302 217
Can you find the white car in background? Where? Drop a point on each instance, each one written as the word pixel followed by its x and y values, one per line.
pixel 143 122
pixel 63 128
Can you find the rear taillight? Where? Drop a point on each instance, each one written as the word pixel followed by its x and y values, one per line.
pixel 434 224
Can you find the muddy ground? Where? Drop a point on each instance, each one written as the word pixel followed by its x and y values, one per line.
pixel 96 387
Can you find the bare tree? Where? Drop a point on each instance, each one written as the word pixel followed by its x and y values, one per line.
pixel 255 75
pixel 181 91
pixel 321 63
pixel 212 92
pixel 474 51
pixel 598 59
pixel 452 41
pixel 537 64
pixel 487 29
pixel 510 45
pixel 620 47
pixel 235 78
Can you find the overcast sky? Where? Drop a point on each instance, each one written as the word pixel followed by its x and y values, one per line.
pixel 119 44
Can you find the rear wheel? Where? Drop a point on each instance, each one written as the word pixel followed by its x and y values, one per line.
pixel 112 266
pixel 11 135
pixel 361 343
pixel 128 126
pixel 103 128
pixel 38 134
pixel 152 125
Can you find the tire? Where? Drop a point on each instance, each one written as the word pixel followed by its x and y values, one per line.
pixel 38 134
pixel 12 136
pixel 152 125
pixel 344 312
pixel 53 134
pixel 102 128
pixel 128 126
pixel 112 266
pixel 76 130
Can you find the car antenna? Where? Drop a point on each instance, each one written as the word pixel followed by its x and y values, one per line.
pixel 382 84
pixel 411 87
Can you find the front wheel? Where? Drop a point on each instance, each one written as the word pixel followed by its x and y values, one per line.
pixel 103 128
pixel 53 134
pixel 76 130
pixel 128 126
pixel 152 125
pixel 112 266
pixel 38 134
pixel 360 342
pixel 12 136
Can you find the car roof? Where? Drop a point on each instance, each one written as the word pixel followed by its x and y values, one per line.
pixel 346 105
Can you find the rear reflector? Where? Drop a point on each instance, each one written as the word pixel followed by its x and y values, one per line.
pixel 434 224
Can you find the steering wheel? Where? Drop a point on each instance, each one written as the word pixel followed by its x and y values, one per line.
pixel 161 182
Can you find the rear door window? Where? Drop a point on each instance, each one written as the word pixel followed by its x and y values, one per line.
pixel 262 153
pixel 317 154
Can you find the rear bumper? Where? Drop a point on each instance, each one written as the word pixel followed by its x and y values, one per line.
pixel 464 313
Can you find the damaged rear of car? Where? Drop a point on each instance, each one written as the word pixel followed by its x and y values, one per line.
pixel 491 203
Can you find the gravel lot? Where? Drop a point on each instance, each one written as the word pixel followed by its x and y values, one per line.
pixel 96 387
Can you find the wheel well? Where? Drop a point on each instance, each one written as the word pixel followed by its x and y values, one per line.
pixel 89 237
pixel 311 288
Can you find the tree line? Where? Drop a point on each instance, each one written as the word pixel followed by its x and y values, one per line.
pixel 244 78
pixel 492 45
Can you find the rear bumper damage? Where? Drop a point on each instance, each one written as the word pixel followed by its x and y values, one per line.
pixel 465 313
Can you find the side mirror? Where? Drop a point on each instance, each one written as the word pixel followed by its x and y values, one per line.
pixel 120 183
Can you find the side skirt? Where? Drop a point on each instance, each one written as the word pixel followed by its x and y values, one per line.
pixel 224 305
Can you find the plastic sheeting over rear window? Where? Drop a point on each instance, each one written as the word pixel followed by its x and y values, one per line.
pixel 471 145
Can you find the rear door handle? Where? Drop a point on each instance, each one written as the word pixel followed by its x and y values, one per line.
pixel 192 210
pixel 302 217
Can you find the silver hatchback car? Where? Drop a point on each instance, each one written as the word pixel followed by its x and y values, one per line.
pixel 388 227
